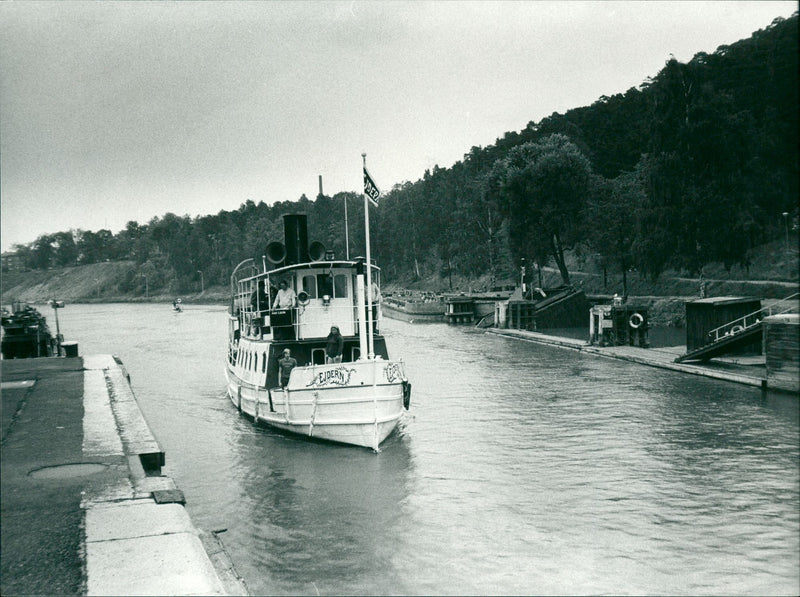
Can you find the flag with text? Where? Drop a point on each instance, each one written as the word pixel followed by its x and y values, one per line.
pixel 371 190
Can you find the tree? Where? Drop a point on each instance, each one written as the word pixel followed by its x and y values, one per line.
pixel 43 252
pixel 612 217
pixel 66 251
pixel 545 188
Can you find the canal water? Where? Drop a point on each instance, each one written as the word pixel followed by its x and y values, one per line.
pixel 519 469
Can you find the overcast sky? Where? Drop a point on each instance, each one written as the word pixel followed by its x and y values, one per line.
pixel 111 112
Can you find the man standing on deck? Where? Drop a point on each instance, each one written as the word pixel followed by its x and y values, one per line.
pixel 286 364
pixel 286 297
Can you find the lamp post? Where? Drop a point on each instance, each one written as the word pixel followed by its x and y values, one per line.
pixel 56 306
pixel 202 284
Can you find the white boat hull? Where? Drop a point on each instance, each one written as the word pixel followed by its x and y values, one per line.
pixel 357 403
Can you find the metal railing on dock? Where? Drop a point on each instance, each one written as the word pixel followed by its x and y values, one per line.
pixel 787 305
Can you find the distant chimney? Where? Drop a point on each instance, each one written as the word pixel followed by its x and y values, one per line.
pixel 320 184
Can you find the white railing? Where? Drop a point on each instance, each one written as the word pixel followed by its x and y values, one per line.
pixel 737 326
pixel 254 322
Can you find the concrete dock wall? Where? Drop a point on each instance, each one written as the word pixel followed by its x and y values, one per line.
pixel 663 358
pixel 86 509
pixel 782 348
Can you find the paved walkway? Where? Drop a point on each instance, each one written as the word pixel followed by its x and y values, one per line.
pixel 80 512
pixel 744 370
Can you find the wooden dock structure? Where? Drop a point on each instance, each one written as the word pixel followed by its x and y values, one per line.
pixel 662 358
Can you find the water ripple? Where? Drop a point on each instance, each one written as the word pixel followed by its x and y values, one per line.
pixel 520 469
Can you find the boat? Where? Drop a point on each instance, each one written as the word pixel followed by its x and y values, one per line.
pixel 26 334
pixel 358 401
pixel 415 310
pixel 176 306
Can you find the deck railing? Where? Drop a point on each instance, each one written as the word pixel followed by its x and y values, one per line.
pixel 254 323
pixel 737 326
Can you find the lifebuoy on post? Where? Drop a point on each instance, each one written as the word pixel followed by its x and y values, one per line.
pixel 636 321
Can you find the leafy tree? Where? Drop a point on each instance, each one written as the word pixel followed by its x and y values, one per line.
pixel 612 218
pixel 66 251
pixel 43 252
pixel 545 188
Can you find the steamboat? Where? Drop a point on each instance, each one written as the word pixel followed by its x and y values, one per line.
pixel 356 397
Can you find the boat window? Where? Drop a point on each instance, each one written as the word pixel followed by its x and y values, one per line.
pixel 355 352
pixel 263 362
pixel 310 286
pixel 340 286
pixel 318 356
pixel 325 284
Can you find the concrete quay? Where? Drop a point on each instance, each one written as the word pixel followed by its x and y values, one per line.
pixel 743 370
pixel 85 509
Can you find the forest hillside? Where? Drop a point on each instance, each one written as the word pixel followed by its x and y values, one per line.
pixel 688 175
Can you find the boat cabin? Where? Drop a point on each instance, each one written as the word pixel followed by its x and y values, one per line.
pixel 326 295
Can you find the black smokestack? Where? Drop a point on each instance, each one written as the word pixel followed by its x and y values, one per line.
pixel 295 232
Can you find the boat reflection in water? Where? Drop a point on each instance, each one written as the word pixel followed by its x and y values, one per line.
pixel 313 512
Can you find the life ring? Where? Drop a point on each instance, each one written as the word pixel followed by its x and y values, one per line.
pixel 636 321
pixel 303 298
pixel 736 329
pixel 406 394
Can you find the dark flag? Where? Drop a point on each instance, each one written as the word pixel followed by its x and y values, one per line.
pixel 371 190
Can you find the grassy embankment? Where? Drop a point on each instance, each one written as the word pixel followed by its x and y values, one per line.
pixel 95 283
pixel 772 275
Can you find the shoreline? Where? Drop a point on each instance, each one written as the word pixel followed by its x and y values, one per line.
pixel 742 369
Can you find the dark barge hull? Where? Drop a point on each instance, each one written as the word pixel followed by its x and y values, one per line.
pixel 414 312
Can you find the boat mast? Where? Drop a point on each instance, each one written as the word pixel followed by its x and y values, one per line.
pixel 346 230
pixel 368 282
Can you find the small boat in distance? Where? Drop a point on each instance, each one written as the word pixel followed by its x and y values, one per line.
pixel 357 398
pixel 176 305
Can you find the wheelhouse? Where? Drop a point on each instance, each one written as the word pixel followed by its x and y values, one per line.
pixel 326 295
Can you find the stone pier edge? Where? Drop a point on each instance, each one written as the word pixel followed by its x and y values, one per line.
pixel 139 538
pixel 647 356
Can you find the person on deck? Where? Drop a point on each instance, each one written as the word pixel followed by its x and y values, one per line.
pixel 286 298
pixel 285 365
pixel 259 300
pixel 334 346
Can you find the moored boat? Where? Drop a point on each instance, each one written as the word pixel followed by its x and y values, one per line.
pixel 356 398
pixel 26 334
pixel 415 311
